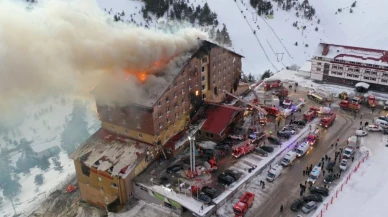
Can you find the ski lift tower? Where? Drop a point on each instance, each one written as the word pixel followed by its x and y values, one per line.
pixel 192 154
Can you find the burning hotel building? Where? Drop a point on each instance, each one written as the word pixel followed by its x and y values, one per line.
pixel 130 136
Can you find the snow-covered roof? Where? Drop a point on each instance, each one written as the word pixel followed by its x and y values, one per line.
pixel 353 54
pixel 306 67
pixel 362 84
pixel 106 151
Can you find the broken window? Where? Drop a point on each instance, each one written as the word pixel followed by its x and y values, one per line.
pixel 167 100
pixel 203 69
pixel 85 170
pixel 215 91
pixel 140 135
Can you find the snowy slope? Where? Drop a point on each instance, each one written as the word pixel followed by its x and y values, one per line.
pixel 274 48
pixel 368 188
pixel 43 125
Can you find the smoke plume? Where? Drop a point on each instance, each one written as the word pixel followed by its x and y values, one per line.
pixel 58 46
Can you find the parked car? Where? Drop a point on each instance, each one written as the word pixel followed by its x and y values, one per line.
pixel 308 207
pixel 232 173
pixel 300 122
pixel 174 169
pixel 319 190
pixel 361 133
pixel 163 180
pixel 209 191
pixel 274 140
pixel 343 165
pixel 225 179
pixel 296 205
pixel 222 147
pixel 330 165
pixel 261 152
pixel 290 128
pixel 329 178
pixel 204 198
pixel 373 127
pixel 384 118
pixel 267 148
pixel 284 134
pixel 312 197
pixel 237 137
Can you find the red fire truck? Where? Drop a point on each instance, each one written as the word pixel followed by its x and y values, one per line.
pixel 372 101
pixel 328 120
pixel 271 110
pixel 313 136
pixel 281 93
pixel 243 148
pixel 346 105
pixel 242 206
pixel 268 85
pixel 310 114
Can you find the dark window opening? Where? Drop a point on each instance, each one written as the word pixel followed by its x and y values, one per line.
pixel 85 170
pixel 215 91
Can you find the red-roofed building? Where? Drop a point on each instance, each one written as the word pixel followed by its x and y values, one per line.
pixel 350 65
pixel 220 120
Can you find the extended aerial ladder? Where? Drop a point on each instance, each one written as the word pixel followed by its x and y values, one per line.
pixel 259 109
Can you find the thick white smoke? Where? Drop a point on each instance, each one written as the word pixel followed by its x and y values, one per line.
pixel 60 45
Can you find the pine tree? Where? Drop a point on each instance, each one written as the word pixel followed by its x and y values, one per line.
pixel 212 33
pixel 225 36
pixel 354 4
pixel 266 74
pixel 219 38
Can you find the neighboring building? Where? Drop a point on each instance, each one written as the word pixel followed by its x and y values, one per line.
pixel 220 120
pixel 105 165
pixel 166 110
pixel 350 65
pixel 305 70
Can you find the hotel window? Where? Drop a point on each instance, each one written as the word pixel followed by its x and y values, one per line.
pixel 318 69
pixel 334 67
pixel 140 135
pixel 203 87
pixel 340 68
pixel 109 108
pixel 160 126
pixel 365 77
pixel 175 96
pixel 183 91
pixel 374 73
pixel 372 79
pixel 159 103
pixel 138 126
pixel 167 100
pixel 339 73
pixel 357 70
pixel 168 120
pixel 384 80
pixel 350 69
pixel 367 72
pixel 160 114
pixel 168 109
pixel 318 63
pixel 137 116
pixel 203 69
pixel 123 121
pixel 189 86
pixel 114 185
pixel 385 74
pixel 356 76
pixel 176 115
pixel 110 118
pixel 203 78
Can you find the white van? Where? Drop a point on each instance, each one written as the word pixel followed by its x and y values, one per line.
pixel 288 158
pixel 315 173
pixel 274 172
pixel 348 152
pixel 302 149
pixel 381 123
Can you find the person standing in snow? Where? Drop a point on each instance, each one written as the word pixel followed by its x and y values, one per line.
pixel 281 208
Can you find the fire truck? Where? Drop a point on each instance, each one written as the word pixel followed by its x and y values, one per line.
pixel 328 120
pixel 313 136
pixel 281 93
pixel 242 206
pixel 346 105
pixel 287 103
pixel 243 148
pixel 271 110
pixel 372 101
pixel 310 114
pixel 268 85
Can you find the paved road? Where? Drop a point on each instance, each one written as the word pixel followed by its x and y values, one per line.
pixel 288 184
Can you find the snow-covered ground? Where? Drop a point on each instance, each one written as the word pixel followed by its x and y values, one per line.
pixel 43 125
pixel 365 192
pixel 272 47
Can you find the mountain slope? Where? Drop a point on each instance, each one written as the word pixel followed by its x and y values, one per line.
pixel 273 45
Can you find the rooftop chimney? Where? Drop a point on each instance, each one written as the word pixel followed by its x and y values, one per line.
pixel 325 49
